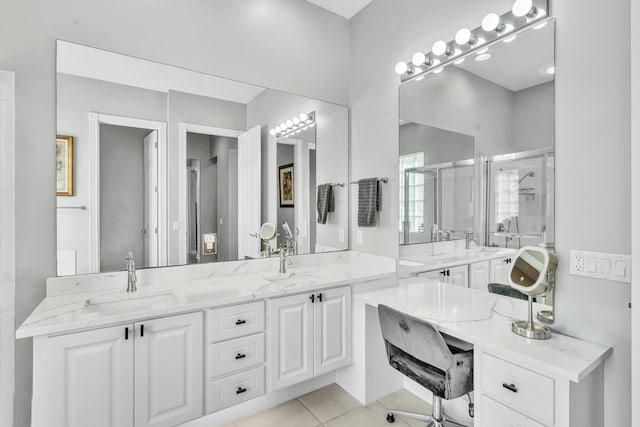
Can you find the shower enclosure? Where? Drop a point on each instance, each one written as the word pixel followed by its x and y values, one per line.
pixel 437 197
pixel 520 205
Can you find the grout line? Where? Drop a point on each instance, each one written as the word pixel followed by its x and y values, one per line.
pixel 309 411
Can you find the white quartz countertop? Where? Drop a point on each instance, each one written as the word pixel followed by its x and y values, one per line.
pixel 484 320
pixel 84 302
pixel 427 260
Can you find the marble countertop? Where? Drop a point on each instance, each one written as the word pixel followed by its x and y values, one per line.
pixel 484 320
pixel 83 302
pixel 426 261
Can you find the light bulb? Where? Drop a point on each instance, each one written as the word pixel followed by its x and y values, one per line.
pixel 401 68
pixel 418 58
pixel 523 8
pixel 272 132
pixel 440 48
pixel 464 36
pixel 483 57
pixel 491 22
pixel 295 120
pixel 289 124
pixel 303 117
pixel 278 129
pixel 283 126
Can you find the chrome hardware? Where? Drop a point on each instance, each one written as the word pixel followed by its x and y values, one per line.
pixel 131 273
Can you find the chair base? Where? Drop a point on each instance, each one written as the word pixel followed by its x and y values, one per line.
pixel 431 422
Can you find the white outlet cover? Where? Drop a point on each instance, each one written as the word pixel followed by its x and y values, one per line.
pixel 601 266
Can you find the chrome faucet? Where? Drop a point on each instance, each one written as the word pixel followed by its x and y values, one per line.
pixel 468 238
pixel 131 273
pixel 284 259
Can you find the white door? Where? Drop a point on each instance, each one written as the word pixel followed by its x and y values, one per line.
pixel 151 199
pixel 302 196
pixel 332 336
pixel 90 378
pixel 168 370
pixel 249 193
pixel 500 271
pixel 458 276
pixel 479 275
pixel 292 338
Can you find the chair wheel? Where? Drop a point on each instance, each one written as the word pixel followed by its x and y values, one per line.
pixel 391 418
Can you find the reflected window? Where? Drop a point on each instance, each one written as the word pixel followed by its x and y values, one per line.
pixel 416 193
pixel 507 200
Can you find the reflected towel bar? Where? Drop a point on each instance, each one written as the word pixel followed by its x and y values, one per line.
pixel 334 184
pixel 83 207
pixel 383 179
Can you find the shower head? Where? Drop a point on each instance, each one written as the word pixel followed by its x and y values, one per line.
pixel 530 173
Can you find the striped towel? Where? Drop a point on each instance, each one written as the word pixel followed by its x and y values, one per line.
pixel 368 202
pixel 325 202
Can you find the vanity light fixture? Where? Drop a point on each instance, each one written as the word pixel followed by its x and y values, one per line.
pixel 294 125
pixel 440 48
pixel 494 28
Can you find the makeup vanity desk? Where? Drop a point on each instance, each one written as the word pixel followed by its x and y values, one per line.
pixel 517 381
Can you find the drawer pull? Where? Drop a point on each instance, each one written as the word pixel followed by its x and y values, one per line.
pixel 241 390
pixel 240 356
pixel 510 387
pixel 240 322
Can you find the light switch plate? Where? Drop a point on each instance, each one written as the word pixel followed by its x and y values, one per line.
pixel 601 266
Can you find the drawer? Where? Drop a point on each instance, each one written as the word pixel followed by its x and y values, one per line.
pixel 496 415
pixel 234 389
pixel 235 321
pixel 233 355
pixel 516 387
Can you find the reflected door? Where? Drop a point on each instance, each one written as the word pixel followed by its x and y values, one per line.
pixel 151 200
pixel 249 193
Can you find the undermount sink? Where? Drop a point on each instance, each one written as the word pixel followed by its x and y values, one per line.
pixel 126 303
pixel 291 279
pixel 485 249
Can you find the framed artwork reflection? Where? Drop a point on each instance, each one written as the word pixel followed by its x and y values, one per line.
pixel 286 186
pixel 64 165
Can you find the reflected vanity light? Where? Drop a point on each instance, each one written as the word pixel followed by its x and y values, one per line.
pixel 483 57
pixel 294 125
pixel 494 28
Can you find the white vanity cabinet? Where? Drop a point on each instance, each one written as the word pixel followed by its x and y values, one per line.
pixel 458 276
pixel 143 374
pixel 499 270
pixel 310 335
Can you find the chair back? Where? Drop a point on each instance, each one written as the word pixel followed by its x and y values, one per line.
pixel 414 336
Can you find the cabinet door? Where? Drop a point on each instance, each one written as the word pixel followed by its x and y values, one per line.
pixel 479 275
pixel 459 276
pixel 434 275
pixel 332 329
pixel 291 340
pixel 499 271
pixel 90 378
pixel 168 370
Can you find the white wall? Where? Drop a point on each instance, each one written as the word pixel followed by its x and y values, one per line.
pixel 592 146
pixel 635 200
pixel 248 40
pixel 7 248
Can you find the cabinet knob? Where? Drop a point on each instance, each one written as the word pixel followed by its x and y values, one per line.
pixel 510 387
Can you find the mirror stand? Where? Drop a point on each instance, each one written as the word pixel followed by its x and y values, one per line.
pixel 529 329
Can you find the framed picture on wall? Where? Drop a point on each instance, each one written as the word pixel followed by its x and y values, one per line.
pixel 64 165
pixel 286 186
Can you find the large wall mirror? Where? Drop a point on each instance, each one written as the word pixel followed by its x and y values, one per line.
pixel 477 145
pixel 181 167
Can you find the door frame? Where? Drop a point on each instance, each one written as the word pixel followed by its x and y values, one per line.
pixel 95 120
pixel 183 129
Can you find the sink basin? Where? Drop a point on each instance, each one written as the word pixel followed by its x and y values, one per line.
pixel 292 279
pixel 126 303
pixel 405 263
pixel 485 249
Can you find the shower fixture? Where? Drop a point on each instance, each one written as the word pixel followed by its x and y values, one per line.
pixel 530 173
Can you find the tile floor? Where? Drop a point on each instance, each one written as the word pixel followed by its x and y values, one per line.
pixel 331 406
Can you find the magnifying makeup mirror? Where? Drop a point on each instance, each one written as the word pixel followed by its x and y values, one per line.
pixel 533 274
pixel 268 231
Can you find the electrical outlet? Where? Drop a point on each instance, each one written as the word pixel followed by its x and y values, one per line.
pixel 359 237
pixel 577 262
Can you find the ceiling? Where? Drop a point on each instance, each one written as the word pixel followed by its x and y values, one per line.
pixel 84 61
pixel 344 8
pixel 519 64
